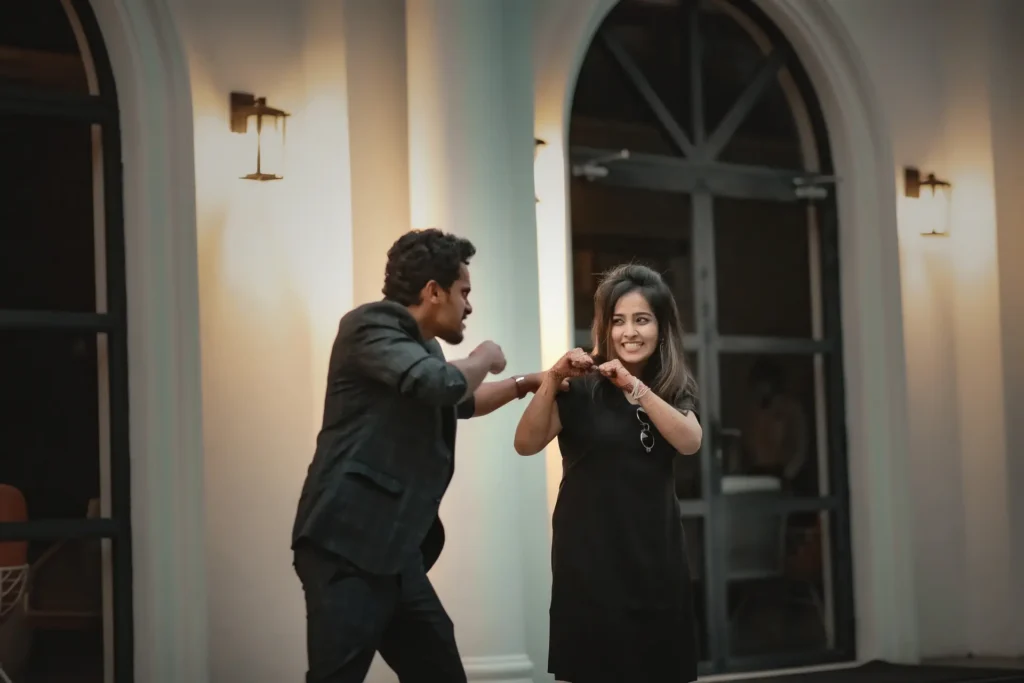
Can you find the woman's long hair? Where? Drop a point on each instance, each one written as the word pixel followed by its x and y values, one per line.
pixel 666 372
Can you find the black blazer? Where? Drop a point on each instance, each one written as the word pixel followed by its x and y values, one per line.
pixel 386 452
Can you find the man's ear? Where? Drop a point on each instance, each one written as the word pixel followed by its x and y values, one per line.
pixel 432 292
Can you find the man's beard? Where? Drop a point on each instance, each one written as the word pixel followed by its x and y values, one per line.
pixel 453 337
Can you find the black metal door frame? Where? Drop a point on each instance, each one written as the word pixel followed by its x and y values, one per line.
pixel 698 173
pixel 101 110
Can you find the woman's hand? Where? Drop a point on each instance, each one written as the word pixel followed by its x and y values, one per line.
pixel 540 422
pixel 575 363
pixel 618 375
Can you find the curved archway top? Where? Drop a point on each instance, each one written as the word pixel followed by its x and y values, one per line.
pixel 739 84
pixel 563 36
pixel 49 46
pixel 816 32
pixel 827 49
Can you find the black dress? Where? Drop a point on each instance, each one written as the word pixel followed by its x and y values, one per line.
pixel 621 603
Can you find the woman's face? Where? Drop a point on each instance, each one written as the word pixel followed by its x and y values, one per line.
pixel 634 330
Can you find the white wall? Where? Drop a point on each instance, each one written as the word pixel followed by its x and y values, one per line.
pixel 906 69
pixel 970 56
pixel 1008 147
pixel 936 66
pixel 275 274
pixel 379 133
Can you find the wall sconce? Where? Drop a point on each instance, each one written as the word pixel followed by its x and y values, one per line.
pixel 265 129
pixel 932 197
pixel 537 144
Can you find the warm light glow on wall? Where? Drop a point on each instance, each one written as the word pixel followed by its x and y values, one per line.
pixel 554 274
pixel 973 213
pixel 553 250
pixel 286 244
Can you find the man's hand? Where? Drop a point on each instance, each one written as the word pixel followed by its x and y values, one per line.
pixel 494 355
pixel 533 382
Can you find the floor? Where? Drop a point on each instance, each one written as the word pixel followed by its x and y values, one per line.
pixel 972 662
pixel 980 662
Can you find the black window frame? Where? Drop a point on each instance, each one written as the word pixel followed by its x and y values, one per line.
pixel 101 110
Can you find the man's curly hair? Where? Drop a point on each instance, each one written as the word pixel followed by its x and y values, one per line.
pixel 418 257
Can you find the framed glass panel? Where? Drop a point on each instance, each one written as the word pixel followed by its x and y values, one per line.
pixel 65 521
pixel 39 48
pixel 774 414
pixel 767 257
pixel 759 298
pixel 59 623
pixel 52 244
pixel 779 579
pixel 613 225
pixel 55 399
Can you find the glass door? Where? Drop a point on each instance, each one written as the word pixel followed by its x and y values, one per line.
pixel 774 457
pixel 697 147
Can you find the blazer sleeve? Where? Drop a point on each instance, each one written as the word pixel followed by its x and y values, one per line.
pixel 466 409
pixel 384 351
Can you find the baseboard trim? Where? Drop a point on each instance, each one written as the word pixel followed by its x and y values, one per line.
pixel 506 668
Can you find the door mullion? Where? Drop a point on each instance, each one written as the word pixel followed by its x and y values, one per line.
pixel 696 80
pixel 842 541
pixel 705 298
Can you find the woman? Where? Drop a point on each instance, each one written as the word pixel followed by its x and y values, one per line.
pixel 621 608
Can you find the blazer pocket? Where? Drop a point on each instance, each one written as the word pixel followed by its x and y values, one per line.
pixel 379 479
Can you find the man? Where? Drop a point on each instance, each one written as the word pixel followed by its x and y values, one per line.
pixel 367 529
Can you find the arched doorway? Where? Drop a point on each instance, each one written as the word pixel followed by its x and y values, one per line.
pixel 696 144
pixel 63 349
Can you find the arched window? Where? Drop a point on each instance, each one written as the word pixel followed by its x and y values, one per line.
pixel 64 461
pixel 698 147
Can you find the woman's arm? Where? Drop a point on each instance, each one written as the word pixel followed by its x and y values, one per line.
pixel 680 429
pixel 540 422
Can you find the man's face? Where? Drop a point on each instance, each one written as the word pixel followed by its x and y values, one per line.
pixel 452 308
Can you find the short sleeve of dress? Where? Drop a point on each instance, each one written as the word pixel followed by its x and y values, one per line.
pixel 571 408
pixel 687 403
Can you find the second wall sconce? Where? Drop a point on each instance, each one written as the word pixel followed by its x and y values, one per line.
pixel 934 196
pixel 265 127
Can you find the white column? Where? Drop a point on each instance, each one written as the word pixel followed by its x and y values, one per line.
pixel 1008 146
pixel 471 173
pixel 978 328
